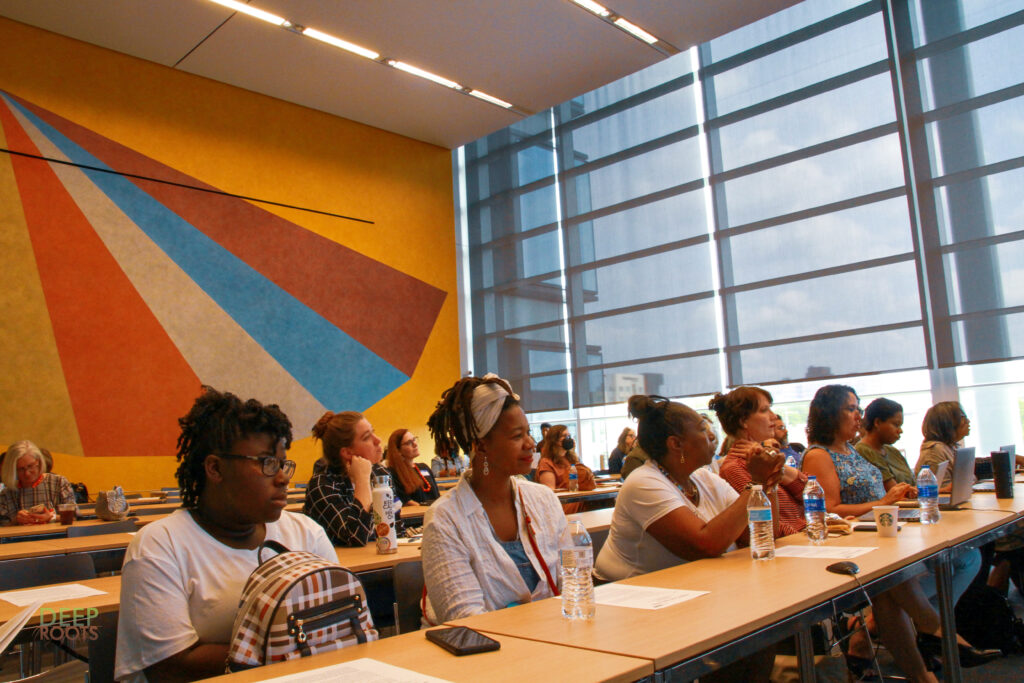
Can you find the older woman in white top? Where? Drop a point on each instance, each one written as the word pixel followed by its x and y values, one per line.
pixel 493 540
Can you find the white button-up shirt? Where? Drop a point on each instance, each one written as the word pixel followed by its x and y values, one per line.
pixel 465 567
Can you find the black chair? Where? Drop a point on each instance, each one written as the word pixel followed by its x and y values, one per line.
pixel 408 581
pixel 124 526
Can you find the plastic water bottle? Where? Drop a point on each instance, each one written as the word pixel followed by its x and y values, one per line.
pixel 383 512
pixel 928 495
pixel 814 511
pixel 759 515
pixel 574 479
pixel 576 559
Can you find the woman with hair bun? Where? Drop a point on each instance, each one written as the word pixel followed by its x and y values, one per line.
pixel 672 509
pixel 492 541
pixel 745 414
pixel 944 425
pixel 339 496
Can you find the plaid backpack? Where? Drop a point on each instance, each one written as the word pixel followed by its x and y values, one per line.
pixel 294 605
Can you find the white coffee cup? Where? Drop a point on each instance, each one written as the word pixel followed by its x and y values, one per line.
pixel 886 518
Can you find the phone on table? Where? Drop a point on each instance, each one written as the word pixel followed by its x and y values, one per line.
pixel 460 640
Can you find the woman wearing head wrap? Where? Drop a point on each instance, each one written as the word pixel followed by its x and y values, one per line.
pixel 492 541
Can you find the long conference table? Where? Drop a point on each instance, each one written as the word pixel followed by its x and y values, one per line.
pixel 748 605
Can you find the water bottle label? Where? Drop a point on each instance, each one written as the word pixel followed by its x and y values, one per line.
pixel 928 491
pixel 574 559
pixel 814 504
pixel 760 514
pixel 573 476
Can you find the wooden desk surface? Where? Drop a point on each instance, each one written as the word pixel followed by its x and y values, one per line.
pixel 12 533
pixel 366 558
pixel 594 520
pixel 518 660
pixel 108 602
pixel 14 551
pixel 987 500
pixel 743 597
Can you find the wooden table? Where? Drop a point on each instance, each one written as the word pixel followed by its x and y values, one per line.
pixel 17 533
pixel 594 520
pixel 517 660
pixel 749 604
pixel 605 492
pixel 110 601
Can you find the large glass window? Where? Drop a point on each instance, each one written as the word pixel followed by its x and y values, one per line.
pixel 831 192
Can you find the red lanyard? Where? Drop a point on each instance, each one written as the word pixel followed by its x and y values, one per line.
pixel 426 484
pixel 533 543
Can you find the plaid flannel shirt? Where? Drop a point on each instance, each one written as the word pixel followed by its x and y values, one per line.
pixel 331 502
pixel 51 491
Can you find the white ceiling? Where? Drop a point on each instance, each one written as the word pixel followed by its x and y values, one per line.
pixel 533 53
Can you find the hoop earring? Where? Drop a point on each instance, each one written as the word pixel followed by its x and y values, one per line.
pixel 487 470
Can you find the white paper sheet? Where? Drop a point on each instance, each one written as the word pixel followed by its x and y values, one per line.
pixel 49 594
pixel 13 626
pixel 825 552
pixel 641 597
pixel 363 670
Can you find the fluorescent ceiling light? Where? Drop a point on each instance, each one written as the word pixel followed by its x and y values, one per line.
pixel 636 31
pixel 592 6
pixel 416 71
pixel 490 98
pixel 252 11
pixel 338 42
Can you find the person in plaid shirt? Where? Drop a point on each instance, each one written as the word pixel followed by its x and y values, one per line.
pixel 31 494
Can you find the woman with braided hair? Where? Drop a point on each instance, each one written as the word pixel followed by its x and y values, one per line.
pixel 183 575
pixel 492 541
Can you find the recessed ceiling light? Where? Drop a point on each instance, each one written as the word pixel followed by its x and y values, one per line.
pixel 630 27
pixel 592 6
pixel 338 42
pixel 252 11
pixel 416 71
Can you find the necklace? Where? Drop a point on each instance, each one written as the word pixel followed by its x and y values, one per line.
pixel 693 496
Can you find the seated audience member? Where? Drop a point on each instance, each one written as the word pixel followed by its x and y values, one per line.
pixel 634 459
pixel 627 439
pixel 446 464
pixel 492 541
pixel 340 497
pixel 183 575
pixel 672 509
pixel 881 428
pixel 31 494
pixel 557 456
pixel 852 486
pixel 414 481
pixel 745 414
pixel 945 424
pixel 787 449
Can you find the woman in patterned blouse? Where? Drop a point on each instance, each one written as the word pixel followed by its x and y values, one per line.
pixel 31 494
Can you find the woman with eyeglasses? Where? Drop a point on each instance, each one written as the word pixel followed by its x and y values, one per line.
pixel 414 481
pixel 340 496
pixel 945 424
pixel 183 575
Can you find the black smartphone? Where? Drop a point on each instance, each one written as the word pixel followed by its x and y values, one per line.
pixel 460 640
pixel 865 527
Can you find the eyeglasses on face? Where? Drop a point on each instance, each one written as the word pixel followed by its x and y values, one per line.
pixel 271 464
pixel 412 441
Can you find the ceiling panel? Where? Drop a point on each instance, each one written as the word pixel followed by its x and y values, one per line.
pixel 533 53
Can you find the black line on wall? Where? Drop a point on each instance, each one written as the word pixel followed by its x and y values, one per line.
pixel 187 187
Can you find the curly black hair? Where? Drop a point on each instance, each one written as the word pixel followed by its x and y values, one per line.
pixel 659 418
pixel 216 421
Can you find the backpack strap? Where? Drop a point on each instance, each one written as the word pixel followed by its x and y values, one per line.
pixel 273 545
pixel 533 543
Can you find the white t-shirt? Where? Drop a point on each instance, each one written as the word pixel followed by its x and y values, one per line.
pixel 180 585
pixel 646 497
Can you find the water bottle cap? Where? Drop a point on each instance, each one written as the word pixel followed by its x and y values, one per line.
pixel 811 478
pixel 926 467
pixel 756 487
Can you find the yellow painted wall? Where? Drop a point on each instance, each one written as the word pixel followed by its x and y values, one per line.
pixel 257 146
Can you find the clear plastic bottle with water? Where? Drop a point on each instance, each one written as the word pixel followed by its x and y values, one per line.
pixel 928 495
pixel 576 559
pixel 574 479
pixel 814 511
pixel 759 516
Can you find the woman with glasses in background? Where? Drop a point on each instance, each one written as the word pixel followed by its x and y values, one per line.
pixel 183 575
pixel 414 481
